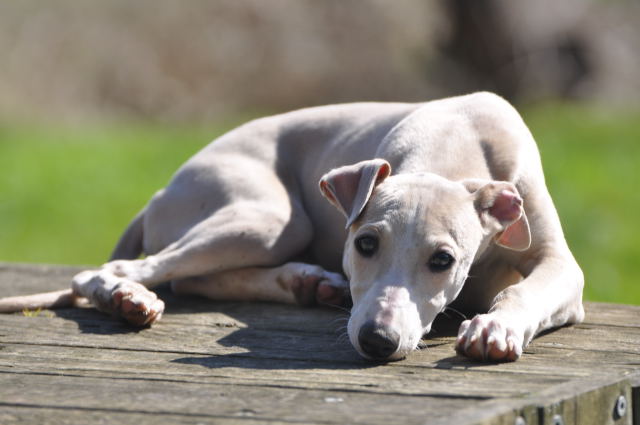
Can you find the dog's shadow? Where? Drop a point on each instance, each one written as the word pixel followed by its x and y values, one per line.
pixel 243 334
pixel 272 336
pixel 334 356
pixel 278 337
pixel 93 322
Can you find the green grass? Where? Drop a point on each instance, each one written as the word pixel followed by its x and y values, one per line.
pixel 66 193
pixel 591 160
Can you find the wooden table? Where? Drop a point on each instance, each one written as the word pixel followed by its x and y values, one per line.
pixel 242 363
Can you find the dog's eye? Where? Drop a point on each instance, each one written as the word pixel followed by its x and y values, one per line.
pixel 440 261
pixel 366 245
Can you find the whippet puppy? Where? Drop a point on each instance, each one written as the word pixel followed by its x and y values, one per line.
pixel 428 204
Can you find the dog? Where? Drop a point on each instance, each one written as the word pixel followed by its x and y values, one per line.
pixel 429 204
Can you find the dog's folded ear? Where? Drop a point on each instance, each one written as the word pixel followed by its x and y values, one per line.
pixel 500 207
pixel 348 188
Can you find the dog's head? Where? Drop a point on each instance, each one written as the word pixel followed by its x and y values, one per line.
pixel 412 240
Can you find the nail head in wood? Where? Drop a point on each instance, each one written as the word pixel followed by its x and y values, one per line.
pixel 621 406
pixel 557 420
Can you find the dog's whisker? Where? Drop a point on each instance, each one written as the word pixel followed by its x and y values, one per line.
pixel 340 324
pixel 342 338
pixel 342 330
pixel 422 345
pixel 348 310
pixel 455 311
pixel 343 319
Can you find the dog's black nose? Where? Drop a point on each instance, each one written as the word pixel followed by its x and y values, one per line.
pixel 377 342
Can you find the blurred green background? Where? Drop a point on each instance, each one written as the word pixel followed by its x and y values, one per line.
pixel 100 104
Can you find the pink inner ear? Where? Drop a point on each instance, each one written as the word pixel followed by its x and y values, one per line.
pixel 345 188
pixel 507 206
pixel 328 191
pixel 383 173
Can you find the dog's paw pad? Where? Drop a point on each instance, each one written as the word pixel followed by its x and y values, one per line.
pixel 329 294
pixel 136 304
pixel 485 338
pixel 304 289
pixel 313 285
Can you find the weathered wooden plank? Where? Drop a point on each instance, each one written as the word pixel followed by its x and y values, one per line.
pixel 612 315
pixel 591 402
pixel 55 415
pixel 25 279
pixel 218 400
pixel 229 341
pixel 268 317
pixel 635 402
pixel 20 279
pixel 285 364
pixel 584 402
pixel 233 373
pixel 545 356
pixel 297 374
pixel 30 278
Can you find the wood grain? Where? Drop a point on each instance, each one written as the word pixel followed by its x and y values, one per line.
pixel 242 363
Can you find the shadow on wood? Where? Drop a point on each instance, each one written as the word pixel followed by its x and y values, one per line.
pixel 243 363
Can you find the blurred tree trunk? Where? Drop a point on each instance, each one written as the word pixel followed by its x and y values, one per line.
pixel 494 56
pixel 481 42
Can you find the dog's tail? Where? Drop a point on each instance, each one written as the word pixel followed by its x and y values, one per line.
pixel 57 299
pixel 129 247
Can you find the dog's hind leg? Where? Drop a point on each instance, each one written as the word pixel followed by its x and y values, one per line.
pixel 130 244
pixel 246 233
pixel 293 282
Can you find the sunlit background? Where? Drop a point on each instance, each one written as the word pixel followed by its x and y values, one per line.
pixel 101 101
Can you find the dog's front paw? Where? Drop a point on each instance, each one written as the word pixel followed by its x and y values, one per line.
pixel 312 285
pixel 136 304
pixel 487 338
